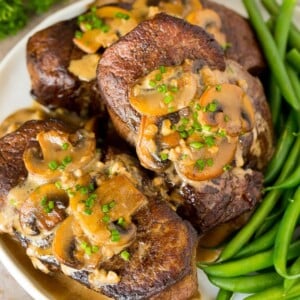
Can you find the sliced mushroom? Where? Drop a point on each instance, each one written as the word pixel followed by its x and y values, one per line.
pixel 146 147
pixel 120 20
pixel 229 108
pixel 208 162
pixel 59 152
pixel 105 214
pixel 165 90
pixel 210 21
pixel 43 210
pixel 102 27
pixel 64 244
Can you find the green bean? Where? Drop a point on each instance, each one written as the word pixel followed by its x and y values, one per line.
pixel 247 284
pixel 262 243
pixel 284 237
pixel 268 203
pixel 294 35
pixel 294 269
pixel 278 211
pixel 271 53
pixel 276 293
pixel 247 265
pixel 281 32
pixel 293 180
pixel 244 235
pixel 283 145
pixel 224 295
pixel 293 57
pixel 292 158
pixel 274 98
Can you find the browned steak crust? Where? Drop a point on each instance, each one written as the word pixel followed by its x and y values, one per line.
pixel 163 256
pixel 243 45
pixel 222 199
pixel 49 53
pixel 151 44
pixel 12 147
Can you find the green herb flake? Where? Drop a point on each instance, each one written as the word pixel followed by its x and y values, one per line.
pixel 125 255
pixel 210 162
pixel 95 249
pixel 58 184
pixel 112 204
pixel 105 208
pixel 200 164
pixel 115 235
pixel 183 134
pixel 197 106
pixel 65 146
pixel 218 87
pixel 121 15
pixel 164 156
pixel 227 167
pixel 105 28
pixel 78 34
pixel 121 222
pixel 53 165
pixel 106 218
pixel 173 88
pixel 162 88
pixel 158 77
pixel 226 118
pixel 152 83
pixel 168 99
pixel 84 190
pixel 88 211
pixel 184 121
pixel 210 141
pixel 212 107
pixel 196 145
pixel 162 69
pixel 67 160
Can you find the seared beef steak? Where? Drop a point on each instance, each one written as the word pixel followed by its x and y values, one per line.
pixel 12 168
pixel 209 85
pixel 101 223
pixel 49 53
pixel 152 44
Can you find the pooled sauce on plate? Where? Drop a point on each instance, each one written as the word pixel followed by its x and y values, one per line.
pixel 58 286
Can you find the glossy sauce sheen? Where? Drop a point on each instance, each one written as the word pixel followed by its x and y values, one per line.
pixel 56 286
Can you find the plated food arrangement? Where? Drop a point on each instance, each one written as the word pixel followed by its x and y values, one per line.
pixel 146 149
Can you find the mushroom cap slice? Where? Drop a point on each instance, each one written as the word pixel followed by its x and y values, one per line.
pixel 59 152
pixel 44 209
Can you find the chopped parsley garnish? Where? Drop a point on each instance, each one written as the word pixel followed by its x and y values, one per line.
pixel 53 165
pixel 106 218
pixel 227 167
pixel 48 205
pixel 164 156
pixel 196 145
pixel 121 15
pixel 125 255
pixel 65 146
pixel 115 235
pixel 89 249
pixel 219 87
pixel 121 222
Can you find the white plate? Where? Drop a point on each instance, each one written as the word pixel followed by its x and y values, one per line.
pixel 15 94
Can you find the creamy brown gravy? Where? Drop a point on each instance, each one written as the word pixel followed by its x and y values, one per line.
pixel 56 286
